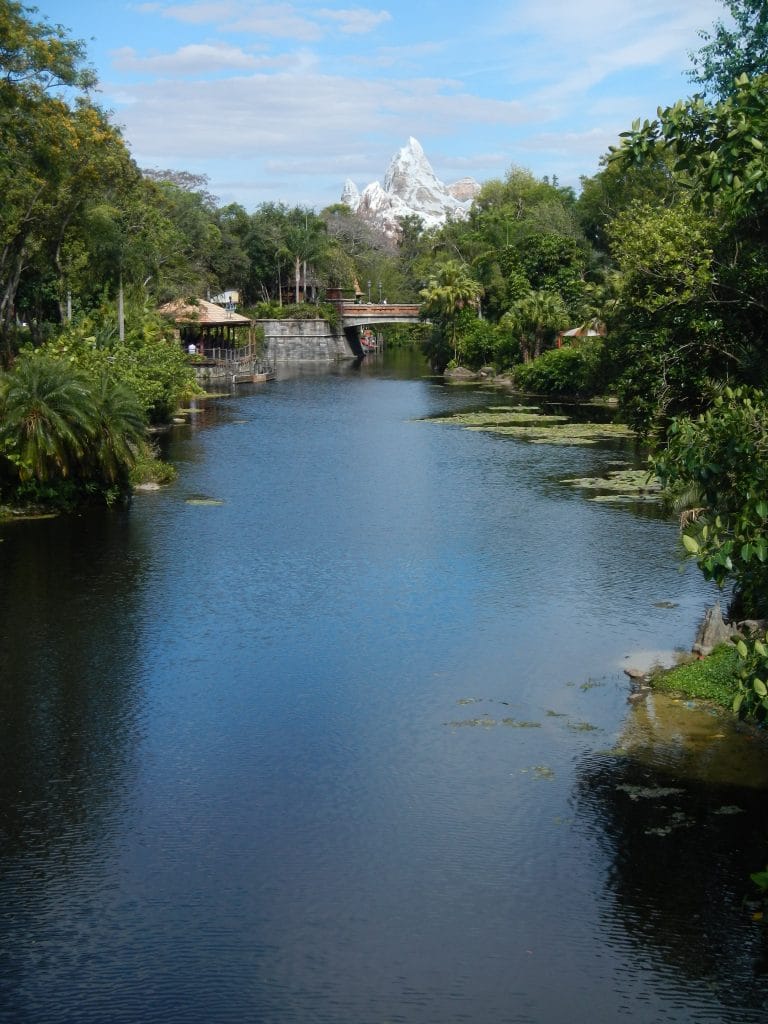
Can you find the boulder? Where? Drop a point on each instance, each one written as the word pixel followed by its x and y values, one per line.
pixel 753 627
pixel 460 373
pixel 713 631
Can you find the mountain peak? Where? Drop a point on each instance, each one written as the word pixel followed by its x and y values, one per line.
pixel 410 187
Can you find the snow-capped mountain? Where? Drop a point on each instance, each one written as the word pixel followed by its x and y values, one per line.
pixel 410 187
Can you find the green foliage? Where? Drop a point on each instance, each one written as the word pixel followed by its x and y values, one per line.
pixel 148 467
pixel 730 52
pixel 450 290
pixel 694 274
pixel 565 371
pixel 295 311
pixel 751 699
pixel 665 257
pixel 152 366
pixel 718 149
pixel 535 319
pixel 68 432
pixel 47 417
pixel 477 340
pixel 714 678
pixel 722 455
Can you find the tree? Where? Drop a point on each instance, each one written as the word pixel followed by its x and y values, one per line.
pixel 702 309
pixel 119 427
pixel 47 419
pixel 729 53
pixel 720 460
pixel 450 290
pixel 41 143
pixel 532 318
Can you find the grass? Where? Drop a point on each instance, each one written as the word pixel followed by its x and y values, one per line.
pixel 713 678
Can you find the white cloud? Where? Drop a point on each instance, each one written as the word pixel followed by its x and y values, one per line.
pixel 196 13
pixel 355 21
pixel 192 59
pixel 281 21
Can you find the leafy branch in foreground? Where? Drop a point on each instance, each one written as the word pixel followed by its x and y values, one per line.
pixel 721 457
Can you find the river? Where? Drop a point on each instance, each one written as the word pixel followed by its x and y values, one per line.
pixel 334 730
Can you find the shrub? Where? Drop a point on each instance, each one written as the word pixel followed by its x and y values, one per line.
pixel 564 371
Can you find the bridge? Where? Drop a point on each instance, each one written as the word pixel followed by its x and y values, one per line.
pixel 370 314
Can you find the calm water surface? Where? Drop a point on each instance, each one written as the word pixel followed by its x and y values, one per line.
pixel 353 746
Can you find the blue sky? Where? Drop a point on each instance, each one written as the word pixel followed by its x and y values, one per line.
pixel 283 102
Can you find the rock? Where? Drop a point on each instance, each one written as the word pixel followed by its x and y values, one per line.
pixel 753 627
pixel 714 630
pixel 460 373
pixel 635 673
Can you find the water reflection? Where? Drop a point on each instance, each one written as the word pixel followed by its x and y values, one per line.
pixel 67 685
pixel 679 809
pixel 233 786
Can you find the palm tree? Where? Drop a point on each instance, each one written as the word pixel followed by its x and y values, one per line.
pixel 532 316
pixel 448 292
pixel 119 427
pixel 47 416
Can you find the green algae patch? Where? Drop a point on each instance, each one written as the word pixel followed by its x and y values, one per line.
pixel 529 423
pixel 568 433
pixel 471 723
pixel 582 727
pixel 620 485
pixel 202 500
pixel 488 723
pixel 496 419
pixel 10 515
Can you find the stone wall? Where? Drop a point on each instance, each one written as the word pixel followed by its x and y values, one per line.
pixel 293 341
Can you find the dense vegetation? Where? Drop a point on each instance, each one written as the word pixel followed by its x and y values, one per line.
pixel 660 263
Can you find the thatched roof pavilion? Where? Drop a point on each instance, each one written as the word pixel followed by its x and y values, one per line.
pixel 205 323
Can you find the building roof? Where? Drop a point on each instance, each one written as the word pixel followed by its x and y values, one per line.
pixel 580 332
pixel 202 312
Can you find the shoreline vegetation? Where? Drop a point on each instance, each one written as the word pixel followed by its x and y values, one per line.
pixel 645 285
pixel 715 677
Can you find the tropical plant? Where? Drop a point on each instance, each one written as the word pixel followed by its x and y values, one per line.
pixel 47 416
pixel 751 699
pixel 534 317
pixel 449 291
pixel 565 371
pixel 119 427
pixel 722 458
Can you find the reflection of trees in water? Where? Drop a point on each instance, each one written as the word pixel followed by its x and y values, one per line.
pixel 680 856
pixel 68 590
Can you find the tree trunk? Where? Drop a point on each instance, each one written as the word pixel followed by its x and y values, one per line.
pixel 120 310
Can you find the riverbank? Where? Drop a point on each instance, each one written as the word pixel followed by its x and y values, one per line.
pixel 713 679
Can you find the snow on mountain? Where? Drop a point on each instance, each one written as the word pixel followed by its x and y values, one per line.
pixel 350 196
pixel 410 187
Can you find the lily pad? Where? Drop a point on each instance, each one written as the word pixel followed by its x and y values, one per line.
pixel 539 771
pixel 620 485
pixel 204 501
pixel 562 433
pixel 473 722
